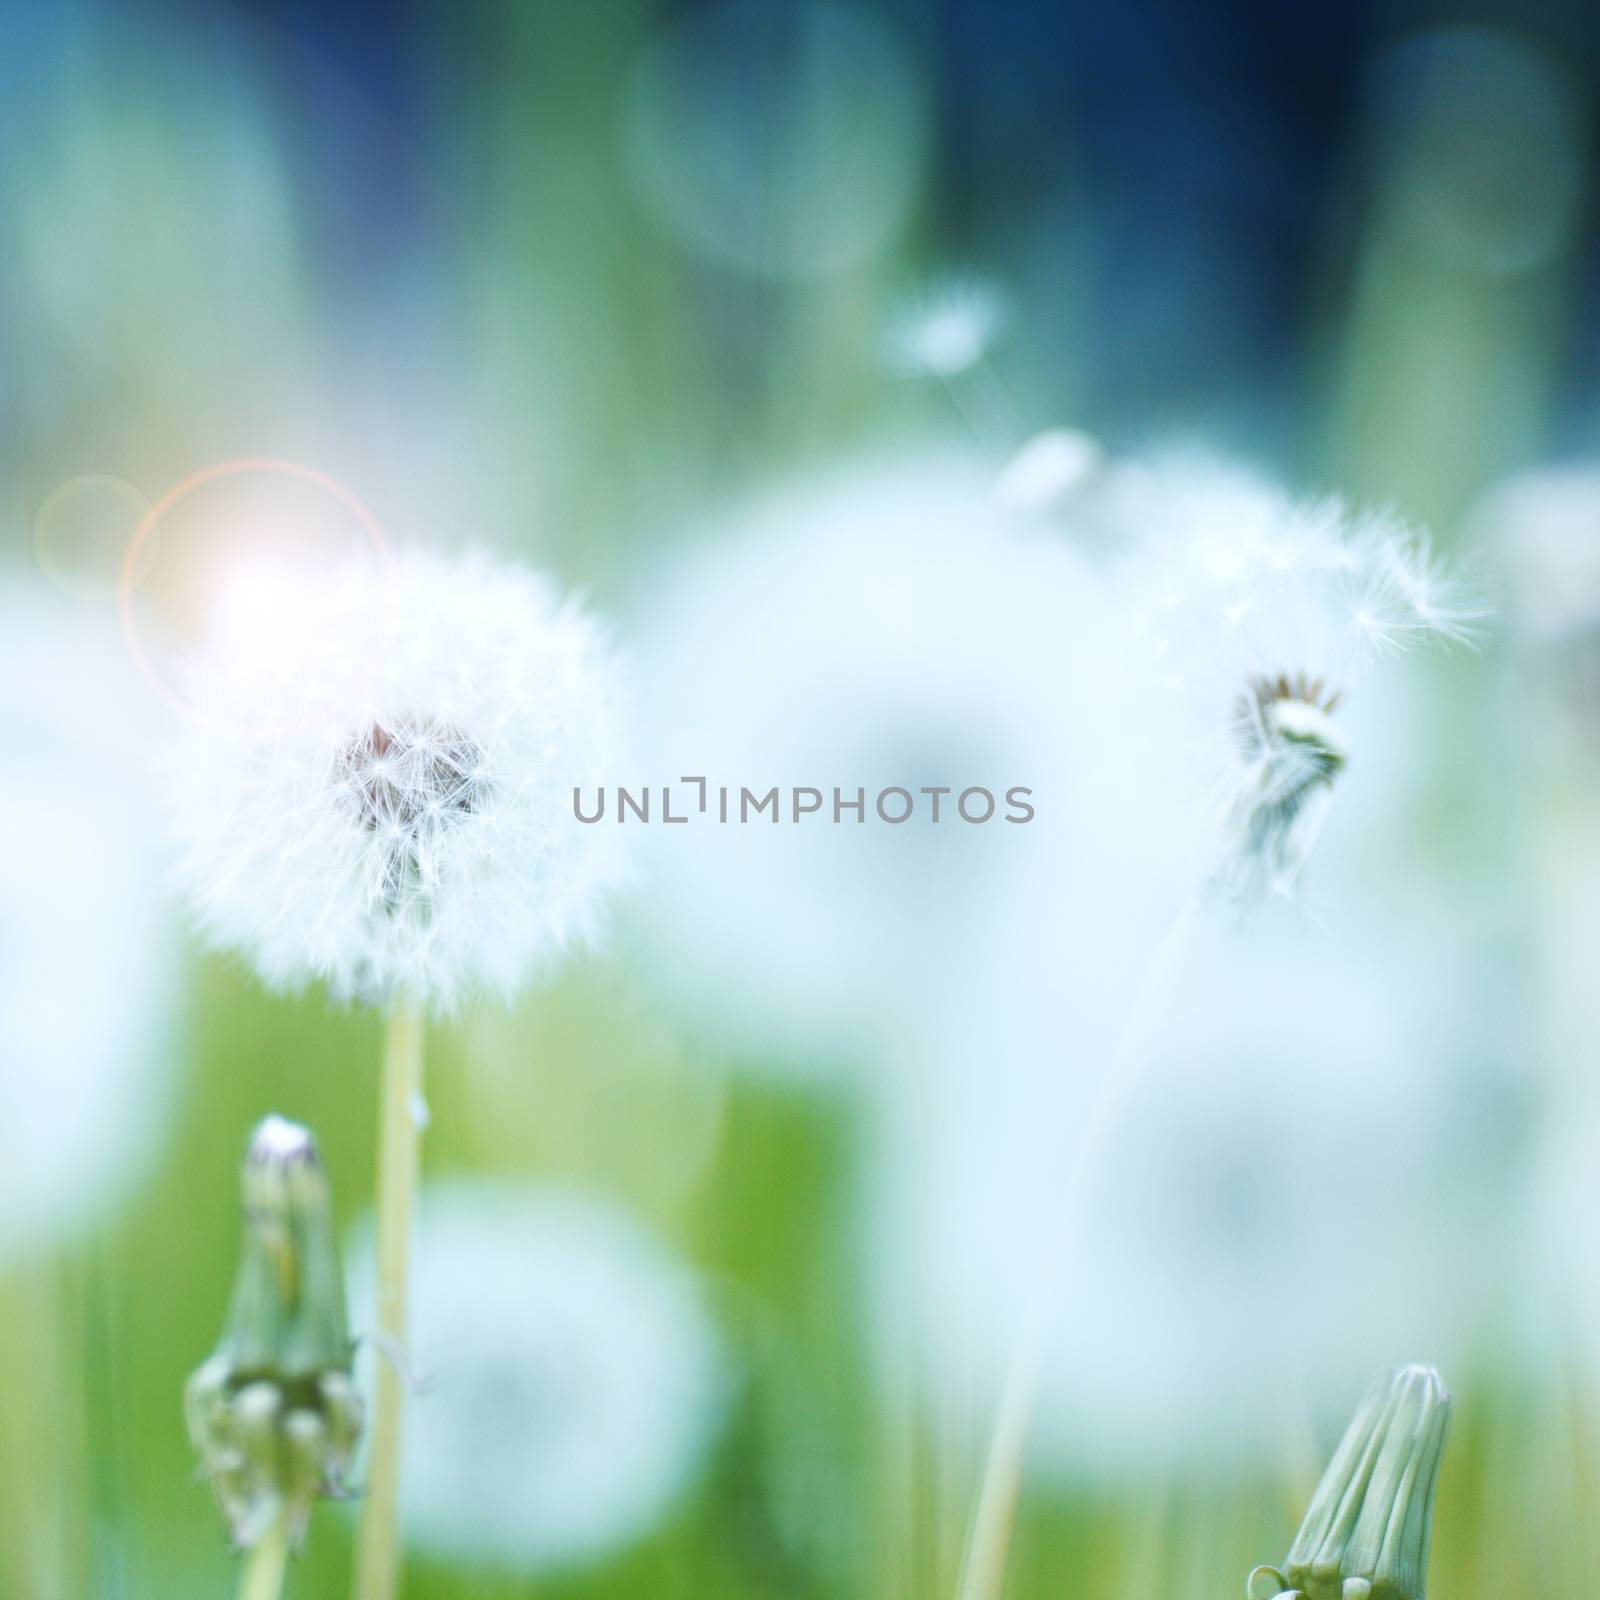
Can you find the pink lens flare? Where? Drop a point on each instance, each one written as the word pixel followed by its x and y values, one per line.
pixel 181 490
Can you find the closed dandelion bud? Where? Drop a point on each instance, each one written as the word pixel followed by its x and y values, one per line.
pixel 273 1412
pixel 1366 1535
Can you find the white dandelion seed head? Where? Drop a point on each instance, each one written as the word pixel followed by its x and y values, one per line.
pixel 887 627
pixel 375 788
pixel 1299 1190
pixel 87 966
pixel 1267 614
pixel 1280 585
pixel 574 1376
pixel 945 329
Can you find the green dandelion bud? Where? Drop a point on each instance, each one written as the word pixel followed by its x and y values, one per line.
pixel 273 1412
pixel 1366 1535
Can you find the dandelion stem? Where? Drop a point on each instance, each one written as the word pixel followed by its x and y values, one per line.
pixel 994 1515
pixel 264 1565
pixel 378 1554
pixel 43 1542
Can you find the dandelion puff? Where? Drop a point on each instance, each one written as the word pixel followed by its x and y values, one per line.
pixel 1268 614
pixel 1302 1131
pixel 375 786
pixel 571 1377
pixel 887 626
pixel 945 329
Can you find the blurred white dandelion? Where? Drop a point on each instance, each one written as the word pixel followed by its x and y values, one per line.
pixel 86 960
pixel 944 329
pixel 1317 1173
pixel 574 1377
pixel 887 628
pixel 1544 527
pixel 1227 580
pixel 1264 615
pixel 375 786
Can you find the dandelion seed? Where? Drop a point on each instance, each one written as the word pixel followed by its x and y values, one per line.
pixel 945 330
pixel 574 1377
pixel 376 788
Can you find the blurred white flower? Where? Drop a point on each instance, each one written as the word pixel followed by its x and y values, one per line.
pixel 86 964
pixel 945 328
pixel 1264 615
pixel 888 627
pixel 376 786
pixel 573 1376
pixel 1545 525
pixel 1316 1175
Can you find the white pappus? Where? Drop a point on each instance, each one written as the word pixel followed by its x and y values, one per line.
pixel 374 785
pixel 572 1376
pixel 1263 614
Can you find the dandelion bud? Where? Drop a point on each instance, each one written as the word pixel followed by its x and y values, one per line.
pixel 1367 1532
pixel 273 1412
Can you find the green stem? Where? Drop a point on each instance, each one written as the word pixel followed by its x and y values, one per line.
pixel 264 1565
pixel 43 1542
pixel 378 1553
